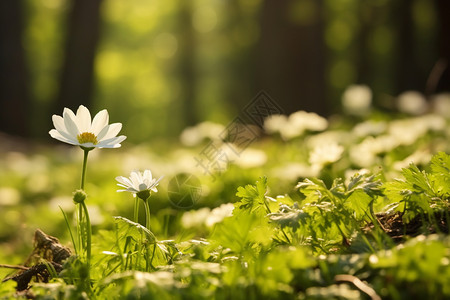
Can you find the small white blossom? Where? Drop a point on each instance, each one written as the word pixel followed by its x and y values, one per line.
pixel 370 127
pixel 325 154
pixel 192 136
pixel 357 99
pixel 195 218
pixel 251 158
pixel 441 104
pixel 275 123
pixel 219 213
pixel 411 102
pixel 138 183
pixel 81 130
pixel 295 125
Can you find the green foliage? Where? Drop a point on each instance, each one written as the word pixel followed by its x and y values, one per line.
pixel 420 191
pixel 312 241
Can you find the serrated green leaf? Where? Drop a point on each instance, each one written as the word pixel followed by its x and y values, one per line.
pixel 418 180
pixel 289 216
pixel 440 166
pixel 253 197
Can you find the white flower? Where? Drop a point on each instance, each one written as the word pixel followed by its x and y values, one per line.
pixel 275 123
pixel 307 121
pixel 357 99
pixel 411 102
pixel 219 213
pixel 138 183
pixel 192 136
pixel 195 218
pixel 441 104
pixel 325 154
pixel 295 125
pixel 80 130
pixel 370 127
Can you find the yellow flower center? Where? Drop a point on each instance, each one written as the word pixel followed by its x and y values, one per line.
pixel 87 137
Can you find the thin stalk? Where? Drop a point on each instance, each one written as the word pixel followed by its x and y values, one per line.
pixel 139 253
pixel 81 233
pixel 88 234
pixel 122 263
pixel 70 230
pixel 81 241
pixel 147 214
pixel 153 255
pixel 85 223
pixel 83 173
pixel 136 210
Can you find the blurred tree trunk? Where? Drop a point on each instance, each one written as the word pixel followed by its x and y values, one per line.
pixel 239 65
pixel 408 76
pixel 187 64
pixel 81 44
pixel 14 97
pixel 443 11
pixel 363 54
pixel 290 57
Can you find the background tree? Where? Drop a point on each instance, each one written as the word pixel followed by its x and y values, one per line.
pixel 77 75
pixel 291 55
pixel 14 97
pixel 442 67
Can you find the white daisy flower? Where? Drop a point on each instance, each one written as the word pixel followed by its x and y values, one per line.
pixel 325 154
pixel 82 131
pixel 412 102
pixel 140 184
pixel 357 99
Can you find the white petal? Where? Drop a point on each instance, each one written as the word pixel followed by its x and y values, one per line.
pixel 100 121
pixel 69 121
pixel 57 135
pixel 157 181
pixel 112 143
pixel 83 119
pixel 148 174
pixel 123 180
pixel 58 122
pixel 141 179
pixel 89 145
pixel 135 179
pixel 109 131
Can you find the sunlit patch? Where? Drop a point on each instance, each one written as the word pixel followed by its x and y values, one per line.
pixel 87 137
pixel 204 19
pixel 165 45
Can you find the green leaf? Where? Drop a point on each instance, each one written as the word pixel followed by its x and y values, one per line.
pixel 418 180
pixel 289 216
pixel 359 202
pixel 369 184
pixel 135 230
pixel 253 197
pixel 440 166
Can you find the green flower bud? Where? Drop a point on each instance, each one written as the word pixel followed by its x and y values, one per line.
pixel 79 196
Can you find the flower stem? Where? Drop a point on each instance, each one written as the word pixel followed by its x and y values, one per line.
pixel 84 219
pixel 136 210
pixel 147 214
pixel 88 235
pixel 83 174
